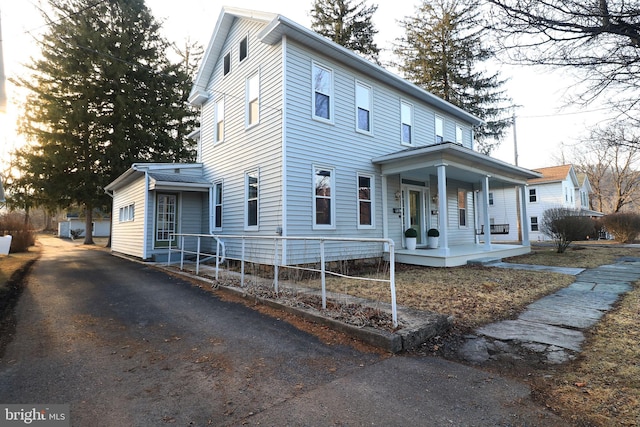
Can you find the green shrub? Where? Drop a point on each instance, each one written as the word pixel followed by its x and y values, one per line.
pixel 411 232
pixel 22 236
pixel 624 227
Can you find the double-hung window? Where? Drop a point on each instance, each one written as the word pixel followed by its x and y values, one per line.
pixel 253 100
pixel 490 199
pixel 323 198
pixel 406 119
pixel 252 195
pixel 439 126
pixel 322 92
pixel 365 201
pixel 533 197
pixel 363 107
pixel 462 208
pixel 227 63
pixel 243 50
pixel 217 206
pixel 534 223
pixel 458 134
pixel 219 114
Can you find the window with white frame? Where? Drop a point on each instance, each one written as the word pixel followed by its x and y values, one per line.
pixel 227 63
pixel 534 223
pixel 243 50
pixel 363 107
pixel 252 196
pixel 324 206
pixel 219 114
pixel 127 213
pixel 490 199
pixel 216 199
pixel 462 208
pixel 439 128
pixel 365 201
pixel 406 119
pixel 533 196
pixel 458 134
pixel 253 100
pixel 322 92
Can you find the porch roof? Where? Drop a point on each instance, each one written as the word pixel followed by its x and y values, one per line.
pixel 463 164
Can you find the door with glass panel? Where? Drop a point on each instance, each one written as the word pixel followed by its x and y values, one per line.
pixel 414 211
pixel 166 220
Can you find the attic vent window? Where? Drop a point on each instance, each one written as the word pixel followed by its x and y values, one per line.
pixel 227 63
pixel 244 44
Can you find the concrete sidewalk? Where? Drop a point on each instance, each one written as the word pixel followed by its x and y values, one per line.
pixel 553 326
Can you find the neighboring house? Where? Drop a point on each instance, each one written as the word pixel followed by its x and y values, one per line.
pixel 101 226
pixel 559 186
pixel 301 137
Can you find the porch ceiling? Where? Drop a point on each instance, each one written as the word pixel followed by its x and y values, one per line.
pixel 462 164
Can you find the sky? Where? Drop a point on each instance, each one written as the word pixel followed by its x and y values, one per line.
pixel 546 128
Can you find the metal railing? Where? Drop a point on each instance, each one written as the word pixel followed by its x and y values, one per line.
pixel 277 257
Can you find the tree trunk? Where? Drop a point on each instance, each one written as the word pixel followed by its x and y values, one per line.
pixel 88 225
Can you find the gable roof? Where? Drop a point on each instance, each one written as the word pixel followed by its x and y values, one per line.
pixel 278 26
pixel 555 174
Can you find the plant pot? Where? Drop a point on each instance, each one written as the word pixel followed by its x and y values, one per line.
pixel 410 243
pixel 432 242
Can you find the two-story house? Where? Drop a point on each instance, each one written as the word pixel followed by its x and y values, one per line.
pixel 301 137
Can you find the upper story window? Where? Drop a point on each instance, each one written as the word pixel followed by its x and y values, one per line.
pixel 324 206
pixel 252 194
pixel 219 114
pixel 243 50
pixel 533 196
pixel 217 206
pixel 322 78
pixel 227 63
pixel 439 127
pixel 365 201
pixel 253 100
pixel 458 134
pixel 406 118
pixel 363 107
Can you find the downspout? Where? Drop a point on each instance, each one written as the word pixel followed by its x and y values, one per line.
pixel 145 234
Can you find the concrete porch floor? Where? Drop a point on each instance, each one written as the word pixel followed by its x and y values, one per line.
pixel 458 255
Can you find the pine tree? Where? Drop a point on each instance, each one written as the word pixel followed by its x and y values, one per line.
pixel 348 24
pixel 102 96
pixel 441 52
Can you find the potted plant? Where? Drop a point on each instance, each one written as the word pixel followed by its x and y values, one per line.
pixel 432 238
pixel 410 238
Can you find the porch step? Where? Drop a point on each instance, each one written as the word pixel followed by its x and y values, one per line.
pixel 483 261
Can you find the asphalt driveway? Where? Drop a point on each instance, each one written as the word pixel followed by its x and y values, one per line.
pixel 127 345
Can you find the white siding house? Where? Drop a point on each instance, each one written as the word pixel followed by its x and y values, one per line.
pixel 301 137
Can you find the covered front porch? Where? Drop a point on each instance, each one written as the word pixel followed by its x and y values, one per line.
pixel 446 187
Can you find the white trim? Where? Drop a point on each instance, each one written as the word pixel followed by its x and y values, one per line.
pixel 332 197
pixel 283 124
pixel 369 108
pixel 371 200
pixel 411 120
pixel 248 227
pixel 146 230
pixel 315 65
pixel 223 60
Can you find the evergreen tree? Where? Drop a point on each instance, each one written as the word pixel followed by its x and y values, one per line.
pixel 441 52
pixel 348 24
pixel 102 96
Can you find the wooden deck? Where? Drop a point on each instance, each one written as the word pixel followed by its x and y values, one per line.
pixel 458 255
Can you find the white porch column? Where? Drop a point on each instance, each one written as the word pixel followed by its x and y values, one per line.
pixel 524 219
pixel 485 211
pixel 443 218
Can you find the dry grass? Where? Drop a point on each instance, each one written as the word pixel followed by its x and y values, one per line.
pixel 583 255
pixel 11 263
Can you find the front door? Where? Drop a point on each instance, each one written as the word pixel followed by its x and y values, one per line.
pixel 414 210
pixel 166 218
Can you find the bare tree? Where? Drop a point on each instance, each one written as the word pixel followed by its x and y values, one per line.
pixel 610 158
pixel 601 38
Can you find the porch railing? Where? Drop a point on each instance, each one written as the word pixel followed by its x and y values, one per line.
pixel 278 256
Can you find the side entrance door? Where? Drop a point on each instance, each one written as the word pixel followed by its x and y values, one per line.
pixel 166 220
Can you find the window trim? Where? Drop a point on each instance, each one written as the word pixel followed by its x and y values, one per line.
pixel 248 100
pixel 226 64
pixel 491 201
pixel 214 204
pixel 245 39
pixel 370 200
pixel 534 194
pixel 315 65
pixel 465 194
pixel 438 120
pixel 247 200
pixel 369 89
pixel 409 105
pixel 332 198
pixel 216 113
pixel 127 213
pixel 534 223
